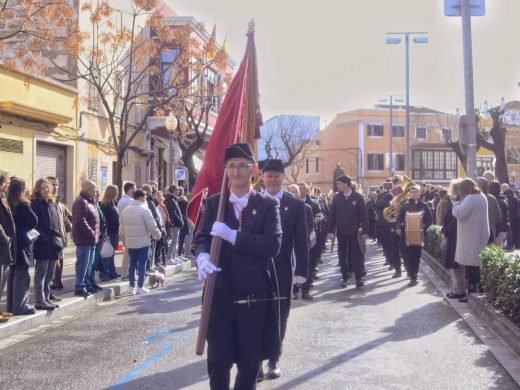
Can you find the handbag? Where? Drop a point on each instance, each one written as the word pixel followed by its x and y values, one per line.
pixel 107 250
pixel 57 240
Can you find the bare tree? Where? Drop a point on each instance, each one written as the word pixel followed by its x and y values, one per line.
pixel 288 137
pixel 133 74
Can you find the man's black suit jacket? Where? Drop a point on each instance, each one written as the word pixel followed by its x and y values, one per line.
pixel 245 265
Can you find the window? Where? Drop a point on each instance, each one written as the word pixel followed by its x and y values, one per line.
pixel 318 143
pixel 375 161
pixel 307 170
pixel 399 162
pixel 446 134
pixel 484 163
pixel 167 67
pixel 317 165
pixel 93 96
pixel 397 131
pixel 212 80
pixel 420 133
pixel 137 174
pixel 92 169
pixel 375 130
pixel 434 165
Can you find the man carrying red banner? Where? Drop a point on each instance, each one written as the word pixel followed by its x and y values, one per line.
pixel 241 325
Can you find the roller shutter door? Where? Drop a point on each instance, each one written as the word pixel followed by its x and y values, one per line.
pixel 50 161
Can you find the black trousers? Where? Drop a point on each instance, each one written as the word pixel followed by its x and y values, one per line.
pixel 284 274
pixel 413 257
pixel 393 248
pixel 349 252
pixel 384 232
pixel 235 335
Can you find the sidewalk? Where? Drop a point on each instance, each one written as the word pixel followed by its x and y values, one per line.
pixel 71 303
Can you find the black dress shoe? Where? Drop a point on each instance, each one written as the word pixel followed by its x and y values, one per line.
pixel 53 304
pixel 273 370
pixel 412 283
pixel 82 293
pixel 307 296
pixel 294 295
pixel 44 306
pixel 452 295
pixel 343 283
pixel 54 298
pixel 57 286
pixel 92 290
pixel 359 283
pixel 396 275
pixel 363 274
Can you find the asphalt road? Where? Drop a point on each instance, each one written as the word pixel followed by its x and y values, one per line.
pixel 384 336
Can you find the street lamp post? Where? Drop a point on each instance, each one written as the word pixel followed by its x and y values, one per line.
pixel 395 41
pixel 171 125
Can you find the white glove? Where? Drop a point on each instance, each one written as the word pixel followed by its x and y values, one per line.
pixel 299 280
pixel 223 231
pixel 205 266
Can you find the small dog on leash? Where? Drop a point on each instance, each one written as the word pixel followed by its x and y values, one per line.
pixel 157 278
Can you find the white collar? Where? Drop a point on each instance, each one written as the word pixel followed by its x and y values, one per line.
pixel 235 198
pixel 348 193
pixel 278 195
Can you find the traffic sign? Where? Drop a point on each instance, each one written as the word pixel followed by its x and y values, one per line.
pixel 452 7
pixel 180 174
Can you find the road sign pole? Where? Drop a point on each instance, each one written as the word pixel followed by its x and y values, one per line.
pixel 468 88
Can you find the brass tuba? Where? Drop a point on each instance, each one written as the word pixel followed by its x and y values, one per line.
pixel 390 212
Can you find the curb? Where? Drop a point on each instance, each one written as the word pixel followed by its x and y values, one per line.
pixel 70 304
pixel 497 321
pixel 437 268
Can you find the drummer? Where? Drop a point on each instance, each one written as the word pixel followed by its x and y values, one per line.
pixel 413 250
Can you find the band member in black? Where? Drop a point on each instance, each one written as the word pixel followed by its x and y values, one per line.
pixel 348 214
pixel 382 225
pixel 251 233
pixel 294 252
pixel 413 253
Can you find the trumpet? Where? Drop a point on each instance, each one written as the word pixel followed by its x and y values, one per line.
pixel 390 212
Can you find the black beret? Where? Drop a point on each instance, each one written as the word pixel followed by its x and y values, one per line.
pixel 344 179
pixel 273 165
pixel 261 164
pixel 239 150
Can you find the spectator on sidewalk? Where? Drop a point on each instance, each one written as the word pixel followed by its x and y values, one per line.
pixel 449 233
pixel 19 279
pixel 472 233
pixel 48 247
pixel 513 237
pixel 501 227
pixel 66 227
pixel 494 213
pixel 85 234
pixel 162 245
pixel 7 234
pixel 177 223
pixel 137 224
pixel 109 210
pixel 148 189
pixel 183 250
pixel 125 200
pixel 442 207
pixel 96 265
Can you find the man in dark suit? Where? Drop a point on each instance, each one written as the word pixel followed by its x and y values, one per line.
pixel 348 214
pixel 294 252
pixel 251 233
pixel 315 251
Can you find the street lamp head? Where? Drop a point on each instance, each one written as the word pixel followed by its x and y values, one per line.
pixel 420 40
pixel 393 41
pixel 171 122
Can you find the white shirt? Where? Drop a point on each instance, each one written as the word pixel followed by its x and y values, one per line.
pixel 278 195
pixel 239 202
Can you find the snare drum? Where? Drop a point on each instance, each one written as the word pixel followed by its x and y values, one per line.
pixel 414 228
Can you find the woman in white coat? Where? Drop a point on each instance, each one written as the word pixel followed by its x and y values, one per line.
pixel 137 224
pixel 471 213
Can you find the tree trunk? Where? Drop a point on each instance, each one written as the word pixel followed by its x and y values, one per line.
pixel 118 174
pixel 187 159
pixel 499 140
